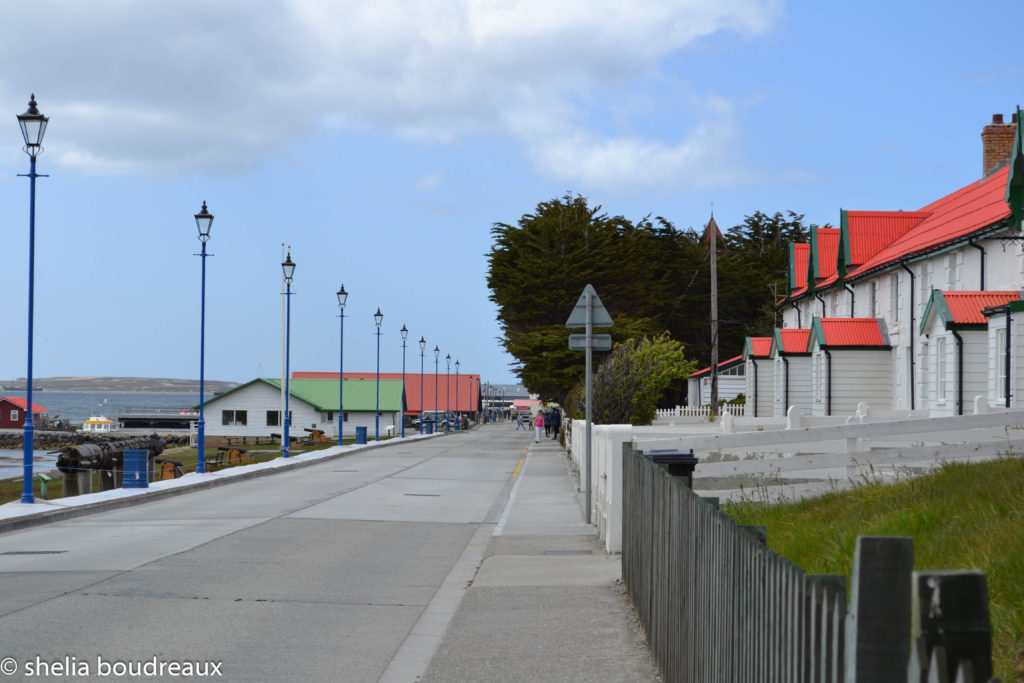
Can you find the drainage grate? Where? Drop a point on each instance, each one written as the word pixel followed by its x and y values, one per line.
pixel 425 495
pixel 568 552
pixel 33 552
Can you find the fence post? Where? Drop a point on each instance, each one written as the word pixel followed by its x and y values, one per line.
pixel 950 609
pixel 878 621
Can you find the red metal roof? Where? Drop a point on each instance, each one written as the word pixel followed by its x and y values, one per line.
pixel 828 252
pixel 872 231
pixel 966 307
pixel 794 339
pixel 801 253
pixel 979 205
pixel 761 346
pixel 724 365
pixel 849 332
pixel 468 388
pixel 22 402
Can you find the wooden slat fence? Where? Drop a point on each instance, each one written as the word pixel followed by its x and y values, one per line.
pixel 718 605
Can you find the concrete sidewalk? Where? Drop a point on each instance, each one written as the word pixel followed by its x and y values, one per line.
pixel 546 603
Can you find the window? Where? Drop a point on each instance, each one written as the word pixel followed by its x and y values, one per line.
pixel 873 299
pixel 234 418
pixel 15 415
pixel 327 417
pixel 273 418
pixel 819 376
pixel 894 297
pixel 940 369
pixel 923 363
pixel 1001 364
pixel 925 288
pixel 779 379
pixel 344 417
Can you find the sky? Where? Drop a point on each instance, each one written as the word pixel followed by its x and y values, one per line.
pixel 381 140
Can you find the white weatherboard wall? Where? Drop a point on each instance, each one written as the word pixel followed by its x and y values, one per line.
pixel 997 359
pixel 858 376
pixel 799 383
pixel 975 370
pixel 763 370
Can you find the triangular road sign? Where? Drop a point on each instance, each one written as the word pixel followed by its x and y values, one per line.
pixel 599 314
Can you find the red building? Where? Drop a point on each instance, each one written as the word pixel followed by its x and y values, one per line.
pixel 12 412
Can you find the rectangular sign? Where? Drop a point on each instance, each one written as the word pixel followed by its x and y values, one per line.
pixel 598 342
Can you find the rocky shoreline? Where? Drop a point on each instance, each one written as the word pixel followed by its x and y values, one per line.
pixel 54 441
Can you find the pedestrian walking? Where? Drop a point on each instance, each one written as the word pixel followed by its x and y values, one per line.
pixel 538 423
pixel 519 422
pixel 556 422
pixel 547 422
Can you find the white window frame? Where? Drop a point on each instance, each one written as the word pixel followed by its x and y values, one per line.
pixel 15 415
pixel 941 381
pixel 1000 352
pixel 894 296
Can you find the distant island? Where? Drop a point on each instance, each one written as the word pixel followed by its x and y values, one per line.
pixel 157 385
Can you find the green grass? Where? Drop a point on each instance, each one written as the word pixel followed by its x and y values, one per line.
pixel 964 516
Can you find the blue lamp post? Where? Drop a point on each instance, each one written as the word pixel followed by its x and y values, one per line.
pixel 405 335
pixel 377 318
pixel 458 415
pixel 423 346
pixel 33 127
pixel 204 221
pixel 342 298
pixel 288 267
pixel 447 389
pixel 437 359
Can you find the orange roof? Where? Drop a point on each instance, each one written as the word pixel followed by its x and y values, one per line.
pixel 869 232
pixel 966 307
pixel 22 402
pixel 724 365
pixel 791 339
pixel 825 244
pixel 979 205
pixel 468 388
pixel 759 347
pixel 848 332
pixel 799 253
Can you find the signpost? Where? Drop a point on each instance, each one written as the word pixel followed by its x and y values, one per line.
pixel 589 313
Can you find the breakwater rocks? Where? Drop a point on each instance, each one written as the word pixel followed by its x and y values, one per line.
pixel 55 441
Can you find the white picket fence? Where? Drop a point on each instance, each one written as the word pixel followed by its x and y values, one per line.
pixel 704 411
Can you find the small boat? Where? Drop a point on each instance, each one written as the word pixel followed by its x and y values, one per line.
pixel 98 424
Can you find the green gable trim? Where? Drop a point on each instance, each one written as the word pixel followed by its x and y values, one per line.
pixel 792 267
pixel 937 302
pixel 1015 180
pixel 812 261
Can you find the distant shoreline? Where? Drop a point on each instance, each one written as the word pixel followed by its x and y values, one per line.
pixel 139 385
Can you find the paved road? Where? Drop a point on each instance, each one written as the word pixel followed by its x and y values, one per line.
pixel 460 558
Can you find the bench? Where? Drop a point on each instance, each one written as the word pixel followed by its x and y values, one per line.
pixel 256 440
pixel 169 469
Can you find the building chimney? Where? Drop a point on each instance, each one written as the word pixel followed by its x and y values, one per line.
pixel 997 144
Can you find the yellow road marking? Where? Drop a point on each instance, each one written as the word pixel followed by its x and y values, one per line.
pixel 519 466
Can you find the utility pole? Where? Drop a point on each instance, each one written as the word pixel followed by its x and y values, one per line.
pixel 713 235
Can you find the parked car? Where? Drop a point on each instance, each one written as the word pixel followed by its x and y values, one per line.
pixel 445 420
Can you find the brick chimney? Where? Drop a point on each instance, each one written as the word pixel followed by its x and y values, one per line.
pixel 997 144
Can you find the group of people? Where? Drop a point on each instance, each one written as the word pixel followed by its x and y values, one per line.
pixel 548 421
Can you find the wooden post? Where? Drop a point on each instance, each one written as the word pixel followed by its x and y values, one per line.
pixel 878 622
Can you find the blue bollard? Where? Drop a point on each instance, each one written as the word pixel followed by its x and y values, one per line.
pixel 136 470
pixel 360 434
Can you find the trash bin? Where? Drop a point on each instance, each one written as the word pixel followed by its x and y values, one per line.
pixel 360 434
pixel 428 427
pixel 136 470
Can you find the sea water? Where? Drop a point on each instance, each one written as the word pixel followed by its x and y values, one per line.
pixel 78 406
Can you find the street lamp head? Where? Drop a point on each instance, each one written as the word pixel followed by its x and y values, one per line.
pixel 437 352
pixel 288 267
pixel 456 366
pixel 405 333
pixel 448 359
pixel 204 220
pixel 423 344
pixel 342 297
pixel 33 127
pixel 378 317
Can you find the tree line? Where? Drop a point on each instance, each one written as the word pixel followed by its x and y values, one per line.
pixel 651 276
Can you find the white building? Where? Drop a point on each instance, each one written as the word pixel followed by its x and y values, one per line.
pixel 254 408
pixel 731 383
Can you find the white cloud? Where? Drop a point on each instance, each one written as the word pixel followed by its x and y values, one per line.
pixel 429 181
pixel 192 86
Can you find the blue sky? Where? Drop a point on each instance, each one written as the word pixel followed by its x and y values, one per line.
pixel 381 139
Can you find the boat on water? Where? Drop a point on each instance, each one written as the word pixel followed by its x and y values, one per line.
pixel 99 424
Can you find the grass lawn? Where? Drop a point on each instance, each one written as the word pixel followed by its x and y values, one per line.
pixel 965 516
